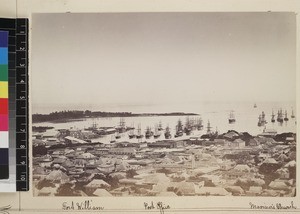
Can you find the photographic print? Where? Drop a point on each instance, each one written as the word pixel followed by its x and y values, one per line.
pixel 164 104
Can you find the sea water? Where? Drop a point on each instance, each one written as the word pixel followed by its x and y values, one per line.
pixel 217 113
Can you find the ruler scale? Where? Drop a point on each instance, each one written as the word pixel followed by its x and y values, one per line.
pixel 22 104
pixel 18 97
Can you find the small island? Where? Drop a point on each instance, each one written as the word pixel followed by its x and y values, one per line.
pixel 67 116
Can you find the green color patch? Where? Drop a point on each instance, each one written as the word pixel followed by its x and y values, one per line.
pixel 3 73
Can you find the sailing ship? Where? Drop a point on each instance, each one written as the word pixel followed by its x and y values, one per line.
pixel 285 116
pixel 188 126
pixel 262 119
pixel 139 132
pixel 93 127
pixel 160 128
pixel 259 121
pixel 208 128
pixel 231 118
pixel 148 133
pixel 273 117
pixel 179 129
pixel 96 130
pixel 131 134
pixel 156 132
pixel 199 124
pixel 292 115
pixel 168 133
pixel 280 116
pixel 122 126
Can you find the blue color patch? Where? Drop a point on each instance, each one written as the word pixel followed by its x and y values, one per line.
pixel 3 56
pixel 3 39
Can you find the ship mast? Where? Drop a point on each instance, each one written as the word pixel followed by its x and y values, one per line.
pixel 208 128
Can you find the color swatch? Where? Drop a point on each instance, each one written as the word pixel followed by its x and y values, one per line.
pixel 4 118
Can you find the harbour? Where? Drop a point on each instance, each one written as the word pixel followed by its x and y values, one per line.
pixel 246 120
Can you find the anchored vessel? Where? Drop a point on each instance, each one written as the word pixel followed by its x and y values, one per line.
pixel 208 128
pixel 148 133
pixel 122 126
pixel 131 134
pixel 168 133
pixel 292 115
pixel 112 139
pixel 188 126
pixel 139 132
pixel 280 116
pixel 156 132
pixel 262 119
pixel 179 129
pixel 199 124
pixel 231 118
pixel 285 116
pixel 160 128
pixel 273 117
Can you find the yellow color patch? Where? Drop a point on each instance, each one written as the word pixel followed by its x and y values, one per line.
pixel 3 89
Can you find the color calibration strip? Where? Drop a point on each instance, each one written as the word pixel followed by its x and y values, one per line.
pixel 4 118
pixel 9 185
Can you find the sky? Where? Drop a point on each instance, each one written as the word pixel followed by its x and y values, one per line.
pixel 131 59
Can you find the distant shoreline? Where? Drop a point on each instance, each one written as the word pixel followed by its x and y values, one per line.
pixel 69 116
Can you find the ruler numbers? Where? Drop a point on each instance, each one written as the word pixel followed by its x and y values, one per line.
pixel 21 65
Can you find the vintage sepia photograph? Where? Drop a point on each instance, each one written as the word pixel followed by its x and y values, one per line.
pixel 164 104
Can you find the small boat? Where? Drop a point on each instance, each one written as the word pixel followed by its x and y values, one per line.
pixel 231 118
pixel 255 106
pixel 168 133
pixel 285 116
pixel 112 140
pixel 118 136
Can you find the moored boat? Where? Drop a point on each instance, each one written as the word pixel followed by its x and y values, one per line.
pixel 179 129
pixel 285 116
pixel 139 132
pixel 292 115
pixel 156 132
pixel 273 117
pixel 231 118
pixel 168 133
pixel 148 133
pixel 280 116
